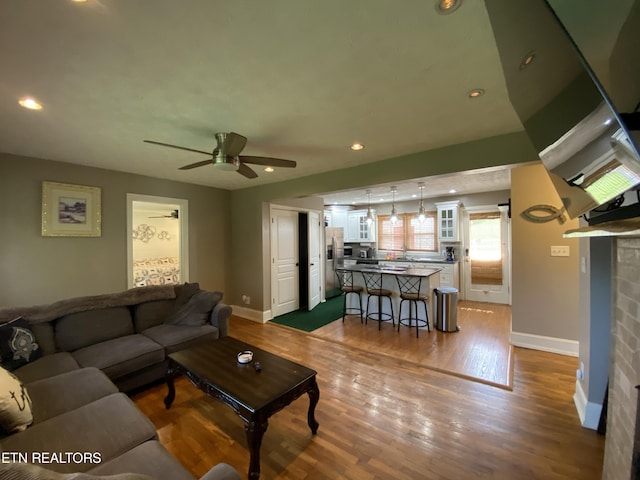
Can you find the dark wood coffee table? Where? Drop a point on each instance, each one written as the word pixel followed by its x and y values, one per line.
pixel 254 395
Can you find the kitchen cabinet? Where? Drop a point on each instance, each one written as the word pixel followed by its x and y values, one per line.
pixel 449 275
pixel 358 230
pixel 336 217
pixel 339 218
pixel 448 221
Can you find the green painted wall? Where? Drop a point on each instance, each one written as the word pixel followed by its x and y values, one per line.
pixel 38 270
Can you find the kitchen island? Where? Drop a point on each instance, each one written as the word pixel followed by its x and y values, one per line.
pixel 430 281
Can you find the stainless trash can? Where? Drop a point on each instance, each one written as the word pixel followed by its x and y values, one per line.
pixel 446 303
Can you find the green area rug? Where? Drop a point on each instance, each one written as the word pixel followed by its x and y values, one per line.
pixel 308 321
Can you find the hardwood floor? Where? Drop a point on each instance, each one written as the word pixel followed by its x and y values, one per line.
pixel 480 351
pixel 383 417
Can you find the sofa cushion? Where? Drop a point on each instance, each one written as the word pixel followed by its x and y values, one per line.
pixel 28 471
pixel 15 404
pixel 47 366
pixel 81 329
pixel 62 393
pixel 150 314
pixel 44 336
pixel 177 337
pixel 149 458
pixel 121 356
pixel 18 345
pixel 196 311
pixel 104 429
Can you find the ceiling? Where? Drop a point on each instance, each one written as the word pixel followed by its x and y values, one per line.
pixel 300 83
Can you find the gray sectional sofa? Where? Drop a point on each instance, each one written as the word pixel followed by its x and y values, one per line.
pixel 127 334
pixel 84 353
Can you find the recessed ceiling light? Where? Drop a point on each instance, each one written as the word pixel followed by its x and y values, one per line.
pixel 30 103
pixel 357 146
pixel 527 60
pixel 445 7
pixel 414 196
pixel 79 1
pixel 475 93
pixel 452 190
pixel 268 169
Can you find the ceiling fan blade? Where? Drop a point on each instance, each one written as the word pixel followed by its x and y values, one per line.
pixel 176 146
pixel 268 162
pixel 197 164
pixel 246 171
pixel 233 144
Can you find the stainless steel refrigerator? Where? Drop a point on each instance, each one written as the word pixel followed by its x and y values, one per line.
pixel 334 258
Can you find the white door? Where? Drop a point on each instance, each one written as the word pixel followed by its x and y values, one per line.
pixel 315 259
pixel 487 262
pixel 284 259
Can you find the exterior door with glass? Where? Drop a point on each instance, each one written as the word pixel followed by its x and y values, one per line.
pixel 487 275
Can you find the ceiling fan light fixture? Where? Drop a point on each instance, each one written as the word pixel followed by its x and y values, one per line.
pixel 221 164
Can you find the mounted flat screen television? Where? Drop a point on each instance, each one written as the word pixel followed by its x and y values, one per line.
pixel 592 158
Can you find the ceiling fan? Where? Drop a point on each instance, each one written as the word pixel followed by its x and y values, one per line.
pixel 173 214
pixel 226 155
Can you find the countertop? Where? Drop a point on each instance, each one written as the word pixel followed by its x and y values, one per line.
pixel 417 260
pixel 402 260
pixel 416 272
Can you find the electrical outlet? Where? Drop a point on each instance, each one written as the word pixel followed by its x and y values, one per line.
pixel 560 251
pixel 246 299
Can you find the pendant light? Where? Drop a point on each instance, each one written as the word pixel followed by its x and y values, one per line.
pixel 421 213
pixel 369 214
pixel 394 215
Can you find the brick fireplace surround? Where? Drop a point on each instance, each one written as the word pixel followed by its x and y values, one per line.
pixel 625 370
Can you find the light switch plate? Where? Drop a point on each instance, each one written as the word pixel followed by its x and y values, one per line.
pixel 559 250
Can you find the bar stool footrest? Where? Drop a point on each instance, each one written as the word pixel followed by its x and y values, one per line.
pixel 386 317
pixel 411 322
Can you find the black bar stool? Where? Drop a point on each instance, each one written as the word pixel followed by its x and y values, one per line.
pixel 345 280
pixel 373 281
pixel 409 286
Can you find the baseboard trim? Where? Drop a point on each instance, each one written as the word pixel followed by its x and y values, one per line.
pixel 589 412
pixel 561 346
pixel 253 315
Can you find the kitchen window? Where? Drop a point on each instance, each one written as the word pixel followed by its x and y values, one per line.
pixel 408 233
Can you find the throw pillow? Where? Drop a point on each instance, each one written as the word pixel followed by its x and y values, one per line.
pixel 15 404
pixel 27 471
pixel 196 311
pixel 184 292
pixel 18 344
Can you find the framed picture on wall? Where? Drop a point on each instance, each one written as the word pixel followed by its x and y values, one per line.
pixel 70 210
